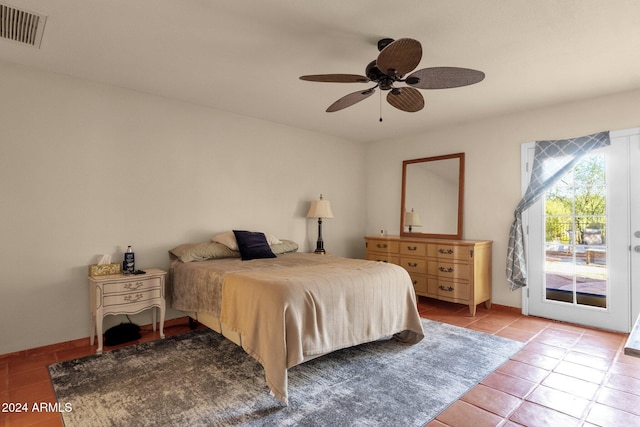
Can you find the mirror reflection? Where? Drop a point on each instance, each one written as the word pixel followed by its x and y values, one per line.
pixel 432 196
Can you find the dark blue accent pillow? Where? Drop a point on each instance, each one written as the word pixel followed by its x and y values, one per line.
pixel 253 245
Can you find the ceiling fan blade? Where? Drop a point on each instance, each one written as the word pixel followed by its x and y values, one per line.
pixel 444 77
pixel 406 99
pixel 335 78
pixel 403 55
pixel 349 100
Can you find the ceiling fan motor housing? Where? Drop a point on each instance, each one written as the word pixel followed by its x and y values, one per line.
pixel 374 74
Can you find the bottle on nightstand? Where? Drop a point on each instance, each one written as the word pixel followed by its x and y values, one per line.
pixel 128 265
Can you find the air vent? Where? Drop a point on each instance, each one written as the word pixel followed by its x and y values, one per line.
pixel 21 26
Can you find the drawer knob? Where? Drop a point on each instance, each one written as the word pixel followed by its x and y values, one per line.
pixel 133 298
pixel 412 248
pixel 381 245
pixel 446 251
pixel 445 288
pixel 133 286
pixel 412 264
pixel 446 270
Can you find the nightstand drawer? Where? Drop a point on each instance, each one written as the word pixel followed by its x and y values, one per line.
pixel 142 284
pixel 132 297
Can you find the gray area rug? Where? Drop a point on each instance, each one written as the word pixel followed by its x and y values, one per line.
pixel 202 379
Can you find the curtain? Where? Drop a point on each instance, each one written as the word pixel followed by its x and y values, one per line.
pixel 552 160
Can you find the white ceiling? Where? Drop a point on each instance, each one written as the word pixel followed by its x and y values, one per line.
pixel 245 56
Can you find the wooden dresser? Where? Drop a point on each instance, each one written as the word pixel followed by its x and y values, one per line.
pixel 450 270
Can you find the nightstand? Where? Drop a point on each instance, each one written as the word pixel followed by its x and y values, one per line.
pixel 126 294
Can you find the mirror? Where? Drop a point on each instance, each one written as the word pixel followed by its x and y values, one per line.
pixel 432 197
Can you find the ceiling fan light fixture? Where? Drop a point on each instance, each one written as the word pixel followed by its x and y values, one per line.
pixel 386 84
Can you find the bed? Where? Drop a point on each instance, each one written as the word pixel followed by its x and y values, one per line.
pixel 291 307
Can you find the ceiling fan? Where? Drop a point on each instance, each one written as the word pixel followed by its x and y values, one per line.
pixel 396 59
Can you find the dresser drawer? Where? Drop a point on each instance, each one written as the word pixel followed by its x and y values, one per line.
pixel 382 257
pixel 462 253
pixel 383 246
pixel 413 249
pixel 133 285
pixel 448 289
pixel 132 297
pixel 448 270
pixel 419 283
pixel 414 265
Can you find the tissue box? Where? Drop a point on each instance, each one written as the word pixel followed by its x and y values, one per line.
pixel 104 269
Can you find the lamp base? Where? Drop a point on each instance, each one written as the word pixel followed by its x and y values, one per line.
pixel 320 248
pixel 320 242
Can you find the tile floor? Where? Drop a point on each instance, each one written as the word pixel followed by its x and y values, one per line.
pixel 565 375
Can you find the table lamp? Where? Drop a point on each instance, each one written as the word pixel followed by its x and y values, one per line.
pixel 320 209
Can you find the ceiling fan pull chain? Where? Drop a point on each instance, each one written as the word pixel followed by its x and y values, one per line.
pixel 381 106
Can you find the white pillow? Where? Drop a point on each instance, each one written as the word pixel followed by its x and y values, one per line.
pixel 229 239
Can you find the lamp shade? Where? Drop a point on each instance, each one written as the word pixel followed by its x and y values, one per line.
pixel 412 219
pixel 320 209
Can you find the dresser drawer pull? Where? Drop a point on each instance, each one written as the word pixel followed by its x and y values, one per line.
pixel 415 282
pixel 445 251
pixel 133 286
pixel 412 264
pixel 381 245
pixel 382 260
pixel 446 270
pixel 412 248
pixel 133 298
pixel 443 288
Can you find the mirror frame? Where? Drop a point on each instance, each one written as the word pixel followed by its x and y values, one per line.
pixel 405 163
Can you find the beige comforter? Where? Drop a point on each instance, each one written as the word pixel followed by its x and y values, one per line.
pixel 298 306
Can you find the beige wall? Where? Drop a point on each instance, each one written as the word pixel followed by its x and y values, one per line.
pixel 492 160
pixel 87 169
